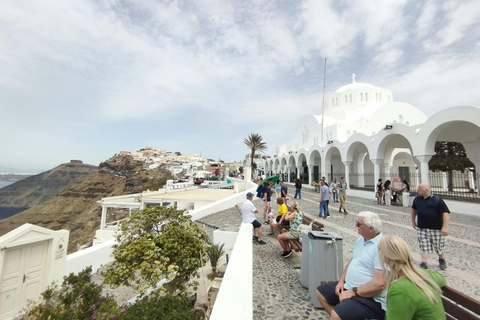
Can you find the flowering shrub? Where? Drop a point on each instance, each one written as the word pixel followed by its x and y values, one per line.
pixel 77 298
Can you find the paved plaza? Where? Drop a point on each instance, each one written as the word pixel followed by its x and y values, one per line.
pixel 277 293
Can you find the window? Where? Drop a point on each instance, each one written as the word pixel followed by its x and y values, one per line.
pixel 366 96
pixel 336 100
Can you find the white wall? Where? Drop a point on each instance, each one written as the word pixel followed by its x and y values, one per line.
pixel 95 256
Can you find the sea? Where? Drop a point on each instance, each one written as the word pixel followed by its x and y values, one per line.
pixel 6 212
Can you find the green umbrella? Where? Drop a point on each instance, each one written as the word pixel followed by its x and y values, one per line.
pixel 273 179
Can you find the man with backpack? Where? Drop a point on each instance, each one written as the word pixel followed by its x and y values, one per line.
pixel 430 217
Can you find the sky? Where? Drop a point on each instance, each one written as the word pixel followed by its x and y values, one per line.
pixel 87 79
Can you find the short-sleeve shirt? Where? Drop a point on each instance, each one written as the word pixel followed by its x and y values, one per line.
pixel 284 190
pixel 325 190
pixel 362 268
pixel 430 212
pixel 282 209
pixel 268 193
pixel 342 185
pixel 248 211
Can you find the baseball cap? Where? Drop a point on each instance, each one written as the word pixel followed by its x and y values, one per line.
pixel 249 195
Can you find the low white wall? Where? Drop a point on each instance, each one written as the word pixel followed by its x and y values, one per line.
pixel 228 238
pixel 95 256
pixel 223 204
pixel 235 297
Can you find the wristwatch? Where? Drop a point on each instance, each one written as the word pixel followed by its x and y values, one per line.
pixel 355 289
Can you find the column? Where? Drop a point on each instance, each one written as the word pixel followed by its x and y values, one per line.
pixel 424 168
pixel 299 171
pixel 376 169
pixel 103 221
pixel 347 172
pixel 310 175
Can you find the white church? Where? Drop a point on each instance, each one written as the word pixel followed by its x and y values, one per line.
pixel 363 134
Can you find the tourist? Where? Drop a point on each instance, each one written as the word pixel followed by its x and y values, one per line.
pixel 342 194
pixel 430 216
pixel 284 192
pixel 279 221
pixel 379 193
pixel 324 196
pixel 333 188
pixel 298 189
pixel 248 216
pixel 267 204
pixel 295 216
pixel 359 294
pixel 278 189
pixel 388 192
pixel 412 292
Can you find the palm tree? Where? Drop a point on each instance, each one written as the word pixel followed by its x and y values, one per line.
pixel 254 142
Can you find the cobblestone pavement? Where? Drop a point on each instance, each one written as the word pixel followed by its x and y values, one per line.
pixel 276 282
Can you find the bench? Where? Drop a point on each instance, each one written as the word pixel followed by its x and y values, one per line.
pixel 459 306
pixel 296 245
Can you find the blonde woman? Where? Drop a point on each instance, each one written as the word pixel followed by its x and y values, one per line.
pixel 295 216
pixel 413 293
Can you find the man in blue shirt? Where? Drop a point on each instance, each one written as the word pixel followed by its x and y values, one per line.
pixel 360 292
pixel 324 197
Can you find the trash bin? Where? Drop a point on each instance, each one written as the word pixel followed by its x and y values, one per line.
pixel 305 259
pixel 325 261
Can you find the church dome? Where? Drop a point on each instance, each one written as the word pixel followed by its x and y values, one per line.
pixel 354 86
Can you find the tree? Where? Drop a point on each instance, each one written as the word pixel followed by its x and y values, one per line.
pixel 449 156
pixel 157 243
pixel 255 143
pixel 215 252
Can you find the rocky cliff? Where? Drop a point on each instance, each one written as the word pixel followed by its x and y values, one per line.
pixel 75 207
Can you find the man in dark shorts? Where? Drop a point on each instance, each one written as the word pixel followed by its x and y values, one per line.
pixel 284 192
pixel 359 294
pixel 432 220
pixel 248 216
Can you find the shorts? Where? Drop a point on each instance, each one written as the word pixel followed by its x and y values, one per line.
pixel 256 224
pixel 341 197
pixel 267 204
pixel 353 308
pixel 284 222
pixel 429 240
pixel 293 235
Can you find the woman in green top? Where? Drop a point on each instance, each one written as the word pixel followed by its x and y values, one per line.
pixel 413 293
pixel 295 216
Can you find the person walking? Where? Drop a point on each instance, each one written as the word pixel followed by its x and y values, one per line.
pixel 342 194
pixel 284 192
pixel 267 204
pixel 359 293
pixel 388 192
pixel 431 219
pixel 248 216
pixel 298 189
pixel 324 196
pixel 333 187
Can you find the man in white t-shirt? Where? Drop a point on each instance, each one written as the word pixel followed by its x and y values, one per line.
pixel 248 216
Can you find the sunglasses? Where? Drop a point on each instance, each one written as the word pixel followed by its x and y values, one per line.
pixel 358 224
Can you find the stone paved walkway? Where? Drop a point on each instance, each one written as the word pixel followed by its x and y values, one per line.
pixel 277 290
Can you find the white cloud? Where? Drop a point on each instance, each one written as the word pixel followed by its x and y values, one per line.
pixel 177 74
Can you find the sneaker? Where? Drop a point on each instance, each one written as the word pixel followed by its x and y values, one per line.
pixel 265 222
pixel 287 254
pixel 340 210
pixel 423 265
pixel 270 234
pixel 328 215
pixel 442 264
pixel 261 242
pixel 345 212
pixel 255 239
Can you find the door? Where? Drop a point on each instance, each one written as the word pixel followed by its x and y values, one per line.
pixel 22 276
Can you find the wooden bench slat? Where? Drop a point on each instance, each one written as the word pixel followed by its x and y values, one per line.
pixel 462 299
pixel 456 311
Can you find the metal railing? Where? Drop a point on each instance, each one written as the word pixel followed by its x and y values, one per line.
pixel 460 186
